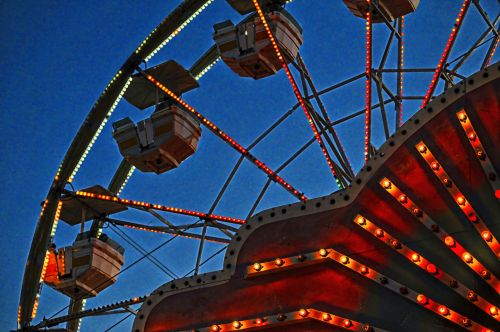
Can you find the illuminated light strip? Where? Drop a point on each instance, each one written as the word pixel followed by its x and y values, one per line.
pixel 296 91
pixel 180 234
pixel 479 150
pixel 42 274
pixel 217 131
pixel 331 254
pixel 46 258
pixel 290 318
pixel 368 82
pixel 158 207
pixel 129 175
pixel 79 324
pixel 90 312
pixel 101 126
pixel 440 233
pixel 206 69
pixel 401 65
pixel 417 259
pixel 173 34
pixel 459 198
pixel 490 58
pixel 446 53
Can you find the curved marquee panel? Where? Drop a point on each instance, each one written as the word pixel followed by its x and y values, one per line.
pixel 411 245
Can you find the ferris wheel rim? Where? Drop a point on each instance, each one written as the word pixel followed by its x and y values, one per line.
pixel 52 195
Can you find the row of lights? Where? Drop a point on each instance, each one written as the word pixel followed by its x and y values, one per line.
pixel 426 265
pixel 46 258
pixel 479 150
pixel 446 53
pixel 493 50
pixel 173 34
pixel 294 316
pixel 206 69
pixel 44 206
pixel 229 140
pixel 93 311
pixel 401 66
pixel 457 195
pixel 180 234
pixel 332 254
pixel 101 126
pixel 124 183
pixel 159 207
pixel 82 307
pixel 447 239
pixel 296 91
pixel 368 81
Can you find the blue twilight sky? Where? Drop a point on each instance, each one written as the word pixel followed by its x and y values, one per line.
pixel 57 57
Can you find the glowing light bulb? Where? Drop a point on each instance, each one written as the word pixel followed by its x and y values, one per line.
pixel 422 148
pixel 236 324
pixel 461 200
pixel 487 236
pixel 279 261
pixel 303 312
pixel 443 310
pixel 403 199
pixel 387 184
pixel 449 241
pixel 326 317
pixel 323 252
pixel 361 221
pixel 415 258
pixel 422 299
pixel 431 268
pixel 379 232
pixel 257 266
pixel 467 257
pixel 344 260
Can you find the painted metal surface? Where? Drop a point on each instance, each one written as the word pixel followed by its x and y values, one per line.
pixel 281 236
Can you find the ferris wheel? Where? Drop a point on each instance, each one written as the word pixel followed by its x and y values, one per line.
pixel 266 42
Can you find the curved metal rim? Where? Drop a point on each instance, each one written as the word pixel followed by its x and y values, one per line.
pixel 82 142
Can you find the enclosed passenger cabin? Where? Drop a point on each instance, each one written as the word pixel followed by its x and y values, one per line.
pixel 247 49
pixel 161 142
pixel 78 211
pixel 85 268
pixel 143 94
pixel 171 134
pixel 391 9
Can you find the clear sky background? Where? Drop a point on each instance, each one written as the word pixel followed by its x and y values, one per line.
pixel 57 57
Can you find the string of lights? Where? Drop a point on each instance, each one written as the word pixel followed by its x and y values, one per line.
pixel 296 91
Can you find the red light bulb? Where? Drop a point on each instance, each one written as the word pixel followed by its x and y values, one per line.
pixel 449 241
pixel 443 310
pixel 487 236
pixel 467 257
pixel 422 299
pixel 279 261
